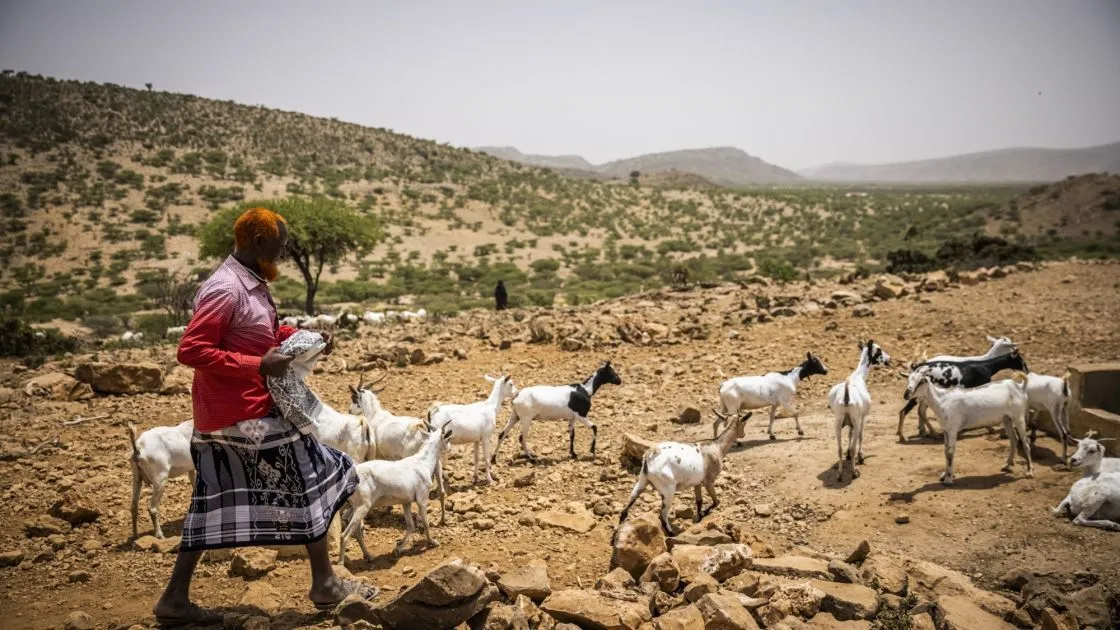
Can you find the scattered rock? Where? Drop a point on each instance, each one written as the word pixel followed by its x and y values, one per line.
pixel 444 598
pixel 889 288
pixel 886 573
pixel 798 599
pixel 763 509
pixel 252 563
pixel 530 579
pixel 701 537
pixel 260 596
pixel 863 310
pixel 56 386
pixel 178 381
pixel 825 621
pixel 637 542
pixel 700 585
pixel 684 618
pixel 843 572
pixel 922 621
pixel 719 561
pixel 78 620
pixel 848 601
pixel 75 508
pixel 355 609
pixel 746 583
pixel 11 558
pixel 78 576
pixel 902 519
pixel 691 415
pixel 1090 606
pixel 664 571
pixel 121 378
pixel 860 553
pixel 793 566
pixel 634 448
pixel 157 545
pixel 1051 619
pixel 45 526
pixel 580 522
pixel 525 480
pixel 724 612
pixel 596 609
pixel 956 612
pixel 619 579
pixel 1017 578
pixel 500 617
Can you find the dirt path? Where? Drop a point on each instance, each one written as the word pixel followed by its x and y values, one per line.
pixel 987 523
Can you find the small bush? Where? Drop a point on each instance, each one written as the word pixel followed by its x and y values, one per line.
pixel 18 339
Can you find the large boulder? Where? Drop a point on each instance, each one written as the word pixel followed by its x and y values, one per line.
pixel 889 287
pixel 598 610
pixel 637 542
pixel 121 378
pixel 1090 606
pixel 956 612
pixel 663 571
pixel 177 381
pixel 684 618
pixel 848 601
pixel 933 581
pixel 500 617
pixel 719 561
pixel 885 572
pixel 57 386
pixel 529 579
pixel 449 595
pixel 579 522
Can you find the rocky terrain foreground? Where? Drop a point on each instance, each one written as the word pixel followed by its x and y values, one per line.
pixel 788 547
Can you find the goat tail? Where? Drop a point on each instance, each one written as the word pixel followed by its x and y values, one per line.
pixel 132 441
pixel 1020 379
pixel 1065 384
pixel 847 395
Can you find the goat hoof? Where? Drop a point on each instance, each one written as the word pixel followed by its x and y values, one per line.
pixel 772 437
pixel 1006 469
pixel 800 432
pixel 855 473
pixel 859 460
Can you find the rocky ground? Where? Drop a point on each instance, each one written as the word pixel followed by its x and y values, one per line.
pixel 780 534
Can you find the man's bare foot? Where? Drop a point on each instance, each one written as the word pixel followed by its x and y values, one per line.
pixel 171 613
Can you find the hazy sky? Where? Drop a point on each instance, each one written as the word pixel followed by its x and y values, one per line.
pixel 795 83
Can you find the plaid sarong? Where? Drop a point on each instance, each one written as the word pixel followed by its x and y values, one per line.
pixel 263 482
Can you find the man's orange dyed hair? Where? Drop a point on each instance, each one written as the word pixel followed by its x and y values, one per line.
pixel 255 222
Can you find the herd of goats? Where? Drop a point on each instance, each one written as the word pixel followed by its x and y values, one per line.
pixel 400 458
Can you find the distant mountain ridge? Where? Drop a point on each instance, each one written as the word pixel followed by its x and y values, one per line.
pixel 722 165
pixel 1027 164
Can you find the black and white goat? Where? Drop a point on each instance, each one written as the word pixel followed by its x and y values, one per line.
pixel 1094 500
pixel 770 390
pixel 557 402
pixel 850 402
pixel 952 374
pixel 673 466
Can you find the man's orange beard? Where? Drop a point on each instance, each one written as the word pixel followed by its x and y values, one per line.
pixel 269 270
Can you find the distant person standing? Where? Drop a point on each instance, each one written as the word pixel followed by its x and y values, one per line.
pixel 501 298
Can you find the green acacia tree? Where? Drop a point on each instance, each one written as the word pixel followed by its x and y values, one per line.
pixel 321 232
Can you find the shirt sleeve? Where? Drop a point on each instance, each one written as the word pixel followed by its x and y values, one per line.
pixel 199 347
pixel 283 332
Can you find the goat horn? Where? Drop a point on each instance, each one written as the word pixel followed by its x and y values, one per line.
pixel 361 379
pixel 379 378
pixel 719 415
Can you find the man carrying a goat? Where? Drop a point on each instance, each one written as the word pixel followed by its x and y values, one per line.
pixel 261 480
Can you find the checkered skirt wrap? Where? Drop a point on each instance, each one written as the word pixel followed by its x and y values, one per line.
pixel 263 482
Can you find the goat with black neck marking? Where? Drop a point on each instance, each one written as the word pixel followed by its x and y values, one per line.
pixel 770 390
pixel 951 374
pixel 673 466
pixel 850 402
pixel 557 402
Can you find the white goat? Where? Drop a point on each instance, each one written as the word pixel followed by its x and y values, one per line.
pixel 402 482
pixel 132 337
pixel 850 402
pixel 373 317
pixel 393 437
pixel 1000 346
pixel 1094 500
pixel 474 423
pixel 557 402
pixel 1050 394
pixel 159 454
pixel 987 405
pixel 770 390
pixel 673 466
pixel 175 332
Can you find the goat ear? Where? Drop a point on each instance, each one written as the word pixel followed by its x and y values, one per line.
pixel 991 339
pixel 809 356
pixel 904 374
pixel 353 392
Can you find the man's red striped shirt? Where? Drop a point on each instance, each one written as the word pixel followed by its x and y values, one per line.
pixel 233 326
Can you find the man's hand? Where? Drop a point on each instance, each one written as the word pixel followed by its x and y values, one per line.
pixel 273 363
pixel 329 338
